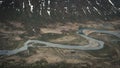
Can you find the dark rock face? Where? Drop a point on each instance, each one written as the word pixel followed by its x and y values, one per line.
pixel 59 10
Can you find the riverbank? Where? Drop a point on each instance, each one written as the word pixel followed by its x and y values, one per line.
pixel 63 32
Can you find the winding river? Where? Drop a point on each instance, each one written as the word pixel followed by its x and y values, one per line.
pixel 94 44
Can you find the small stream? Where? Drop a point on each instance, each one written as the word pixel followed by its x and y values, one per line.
pixel 94 44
